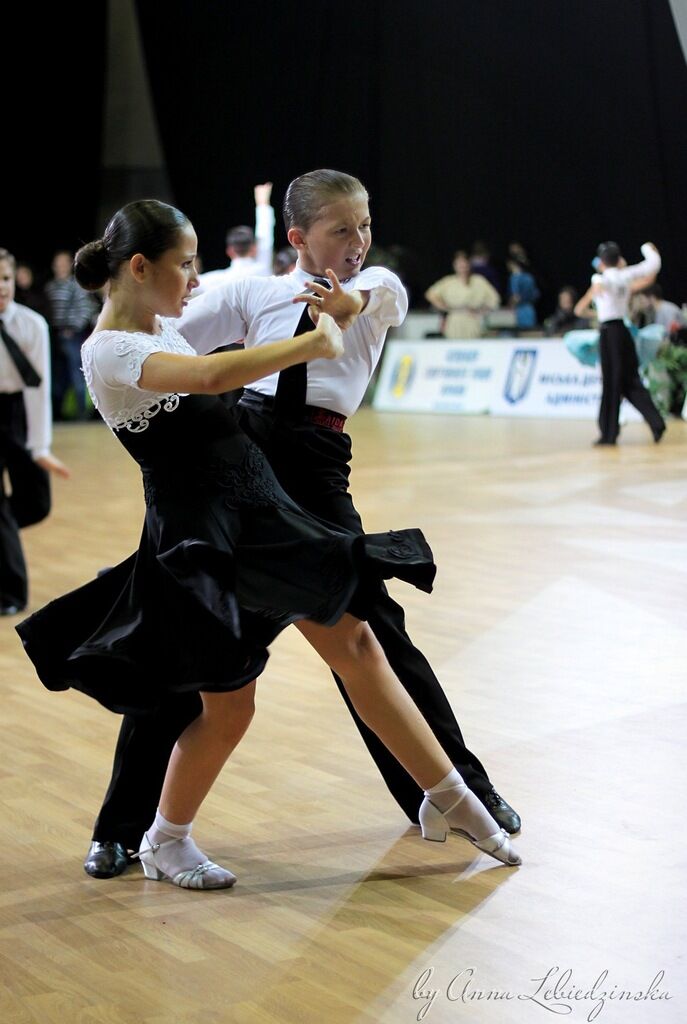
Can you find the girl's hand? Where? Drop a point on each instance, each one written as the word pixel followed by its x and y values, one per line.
pixel 328 338
pixel 343 306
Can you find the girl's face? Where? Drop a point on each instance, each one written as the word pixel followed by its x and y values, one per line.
pixel 338 240
pixel 173 275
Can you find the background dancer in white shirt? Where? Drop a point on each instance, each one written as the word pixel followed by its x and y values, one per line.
pixel 25 433
pixel 250 251
pixel 610 292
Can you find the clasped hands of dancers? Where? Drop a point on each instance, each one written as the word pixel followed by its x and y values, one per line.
pixel 219 545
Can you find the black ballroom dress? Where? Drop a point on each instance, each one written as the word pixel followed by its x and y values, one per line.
pixel 225 562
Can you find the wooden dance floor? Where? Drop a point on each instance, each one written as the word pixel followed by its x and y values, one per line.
pixel 558 627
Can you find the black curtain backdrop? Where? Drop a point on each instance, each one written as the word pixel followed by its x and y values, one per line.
pixel 52 136
pixel 557 124
pixel 553 123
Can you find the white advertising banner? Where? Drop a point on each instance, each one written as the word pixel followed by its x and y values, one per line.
pixel 439 376
pixel 503 377
pixel 544 379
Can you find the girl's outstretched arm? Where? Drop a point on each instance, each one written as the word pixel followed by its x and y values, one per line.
pixel 225 371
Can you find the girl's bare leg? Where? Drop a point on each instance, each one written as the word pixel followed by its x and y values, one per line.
pixel 167 850
pixel 202 750
pixel 352 650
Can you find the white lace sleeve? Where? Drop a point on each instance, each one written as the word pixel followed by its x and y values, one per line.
pixel 112 364
pixel 119 360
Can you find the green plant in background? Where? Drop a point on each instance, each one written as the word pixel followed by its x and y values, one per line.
pixel 70 409
pixel 667 375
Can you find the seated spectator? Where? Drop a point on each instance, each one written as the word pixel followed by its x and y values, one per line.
pixel 658 310
pixel 564 318
pixel 464 297
pixel 480 261
pixel 522 293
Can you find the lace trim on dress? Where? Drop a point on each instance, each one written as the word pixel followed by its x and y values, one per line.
pixel 87 367
pixel 136 420
pixel 135 416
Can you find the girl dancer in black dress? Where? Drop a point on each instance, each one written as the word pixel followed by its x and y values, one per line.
pixel 226 558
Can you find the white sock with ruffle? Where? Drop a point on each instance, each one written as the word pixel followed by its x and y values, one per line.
pixel 181 854
pixel 461 807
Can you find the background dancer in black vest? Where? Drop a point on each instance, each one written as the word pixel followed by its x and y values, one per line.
pixel 298 421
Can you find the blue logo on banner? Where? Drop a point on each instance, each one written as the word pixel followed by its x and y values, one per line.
pixel 520 373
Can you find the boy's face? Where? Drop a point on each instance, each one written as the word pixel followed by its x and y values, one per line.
pixel 338 240
pixel 6 284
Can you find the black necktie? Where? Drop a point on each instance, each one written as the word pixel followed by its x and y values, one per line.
pixel 292 386
pixel 24 367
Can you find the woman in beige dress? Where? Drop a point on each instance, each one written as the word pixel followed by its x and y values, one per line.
pixel 465 298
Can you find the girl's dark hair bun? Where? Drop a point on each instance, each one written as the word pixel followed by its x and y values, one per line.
pixel 146 226
pixel 91 267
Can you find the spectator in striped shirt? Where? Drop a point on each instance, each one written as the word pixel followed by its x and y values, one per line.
pixel 72 312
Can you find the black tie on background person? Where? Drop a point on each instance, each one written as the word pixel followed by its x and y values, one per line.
pixel 24 367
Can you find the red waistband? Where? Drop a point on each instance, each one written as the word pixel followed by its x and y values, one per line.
pixel 325 418
pixel 311 413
